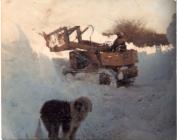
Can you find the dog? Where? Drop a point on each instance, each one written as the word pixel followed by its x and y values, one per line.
pixel 68 115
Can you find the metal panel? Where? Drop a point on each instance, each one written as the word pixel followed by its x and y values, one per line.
pixel 119 58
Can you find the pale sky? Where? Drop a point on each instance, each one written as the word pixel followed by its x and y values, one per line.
pixel 102 13
pixel 34 16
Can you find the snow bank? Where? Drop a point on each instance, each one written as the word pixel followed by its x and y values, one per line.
pixel 171 31
pixel 27 81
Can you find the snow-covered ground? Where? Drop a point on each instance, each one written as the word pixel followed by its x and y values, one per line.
pixel 144 111
pixel 31 75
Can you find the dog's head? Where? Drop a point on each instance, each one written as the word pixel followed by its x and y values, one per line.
pixel 82 106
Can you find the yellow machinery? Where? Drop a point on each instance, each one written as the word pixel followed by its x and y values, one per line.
pixel 89 56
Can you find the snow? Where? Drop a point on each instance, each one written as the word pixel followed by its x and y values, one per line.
pixel 143 111
pixel 31 75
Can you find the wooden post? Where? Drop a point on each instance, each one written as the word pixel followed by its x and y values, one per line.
pixel 79 37
pixel 66 37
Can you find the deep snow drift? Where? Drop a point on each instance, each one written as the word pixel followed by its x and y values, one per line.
pixel 145 111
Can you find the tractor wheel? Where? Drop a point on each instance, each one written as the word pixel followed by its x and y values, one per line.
pixel 104 79
pixel 107 77
pixel 125 82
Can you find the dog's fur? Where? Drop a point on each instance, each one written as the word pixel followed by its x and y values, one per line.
pixel 68 115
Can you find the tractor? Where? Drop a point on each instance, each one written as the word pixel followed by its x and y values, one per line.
pixel 89 56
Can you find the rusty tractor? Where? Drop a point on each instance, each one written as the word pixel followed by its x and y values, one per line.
pixel 88 56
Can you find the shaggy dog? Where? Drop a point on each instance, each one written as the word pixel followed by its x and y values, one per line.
pixel 68 115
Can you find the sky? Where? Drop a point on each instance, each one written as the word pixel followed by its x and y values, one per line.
pixel 33 16
pixel 103 13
